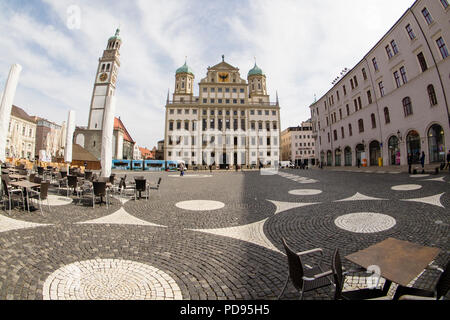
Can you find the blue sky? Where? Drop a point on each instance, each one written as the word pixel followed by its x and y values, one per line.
pixel 301 46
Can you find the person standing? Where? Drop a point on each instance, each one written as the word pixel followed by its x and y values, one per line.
pixel 448 161
pixel 422 160
pixel 409 162
pixel 181 169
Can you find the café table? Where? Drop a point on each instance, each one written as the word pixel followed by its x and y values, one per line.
pixel 398 261
pixel 25 184
pixel 18 176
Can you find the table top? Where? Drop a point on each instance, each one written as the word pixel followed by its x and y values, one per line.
pixel 24 184
pixel 18 176
pixel 399 261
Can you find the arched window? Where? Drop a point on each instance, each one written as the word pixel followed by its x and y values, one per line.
pixel 407 107
pixel 374 121
pixel 432 95
pixel 361 125
pixel 387 117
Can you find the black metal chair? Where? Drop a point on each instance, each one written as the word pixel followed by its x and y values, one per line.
pixel 339 279
pixel 40 171
pixel 141 186
pixel 63 174
pixel 99 190
pixel 305 280
pixel 72 183
pixel 440 290
pixel 156 188
pixel 88 175
pixel 40 195
pixel 11 193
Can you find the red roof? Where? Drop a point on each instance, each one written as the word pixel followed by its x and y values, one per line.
pixel 146 153
pixel 118 124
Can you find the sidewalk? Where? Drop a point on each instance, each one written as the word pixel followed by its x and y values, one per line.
pixel 429 169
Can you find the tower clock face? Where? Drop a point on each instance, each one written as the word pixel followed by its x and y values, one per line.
pixel 103 77
pixel 224 77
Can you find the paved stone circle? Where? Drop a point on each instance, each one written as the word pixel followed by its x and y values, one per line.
pixel 200 205
pixel 365 222
pixel 110 279
pixel 407 187
pixel 305 192
pixel 56 200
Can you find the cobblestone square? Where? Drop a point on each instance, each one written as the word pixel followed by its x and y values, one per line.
pixel 215 236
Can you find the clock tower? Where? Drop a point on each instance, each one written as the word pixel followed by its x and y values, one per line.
pixel 105 81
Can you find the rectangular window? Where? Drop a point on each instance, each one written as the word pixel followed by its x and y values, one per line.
pixel 381 86
pixel 427 16
pixel 170 126
pixel 348 109
pixel 364 73
pixel 394 47
pixel 375 64
pixel 389 52
pixel 403 72
pixel 410 31
pixel 351 84
pixel 361 125
pixel 227 90
pixel 219 89
pixel 342 133
pixel 356 81
pixel 359 103
pixel 442 47
pixel 213 101
pixel 171 111
pixel 422 62
pixel 350 132
pixel 397 79
pixel 205 100
pixel 369 97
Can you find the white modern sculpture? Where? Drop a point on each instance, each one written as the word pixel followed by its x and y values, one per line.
pixel 69 136
pixel 6 106
pixel 107 135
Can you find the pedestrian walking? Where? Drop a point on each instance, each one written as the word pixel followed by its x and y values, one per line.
pixel 409 162
pixel 181 169
pixel 448 161
pixel 422 160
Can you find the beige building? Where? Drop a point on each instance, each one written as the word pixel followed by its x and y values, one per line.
pixel 231 123
pixel 395 100
pixel 20 142
pixel 49 138
pixel 298 144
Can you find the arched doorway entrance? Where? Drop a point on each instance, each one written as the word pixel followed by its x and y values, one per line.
pixel 348 156
pixel 329 159
pixel 413 145
pixel 360 150
pixel 394 151
pixel 436 143
pixel 375 152
pixel 337 157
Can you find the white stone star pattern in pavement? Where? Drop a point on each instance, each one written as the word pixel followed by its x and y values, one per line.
pixel 253 233
pixel 121 217
pixel 8 224
pixel 360 197
pixel 433 200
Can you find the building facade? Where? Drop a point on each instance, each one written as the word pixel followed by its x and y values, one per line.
pixel 49 138
pixel 394 102
pixel 298 144
pixel 90 137
pixel 21 139
pixel 231 123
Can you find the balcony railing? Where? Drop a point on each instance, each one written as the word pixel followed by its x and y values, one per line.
pixel 259 104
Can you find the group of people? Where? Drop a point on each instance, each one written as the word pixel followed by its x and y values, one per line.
pixel 422 161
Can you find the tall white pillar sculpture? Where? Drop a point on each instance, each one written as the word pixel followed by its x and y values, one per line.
pixel 107 134
pixel 6 106
pixel 69 136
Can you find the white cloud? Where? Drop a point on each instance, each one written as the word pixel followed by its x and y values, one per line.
pixel 300 45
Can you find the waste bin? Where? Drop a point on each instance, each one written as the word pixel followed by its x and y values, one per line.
pixel 380 162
